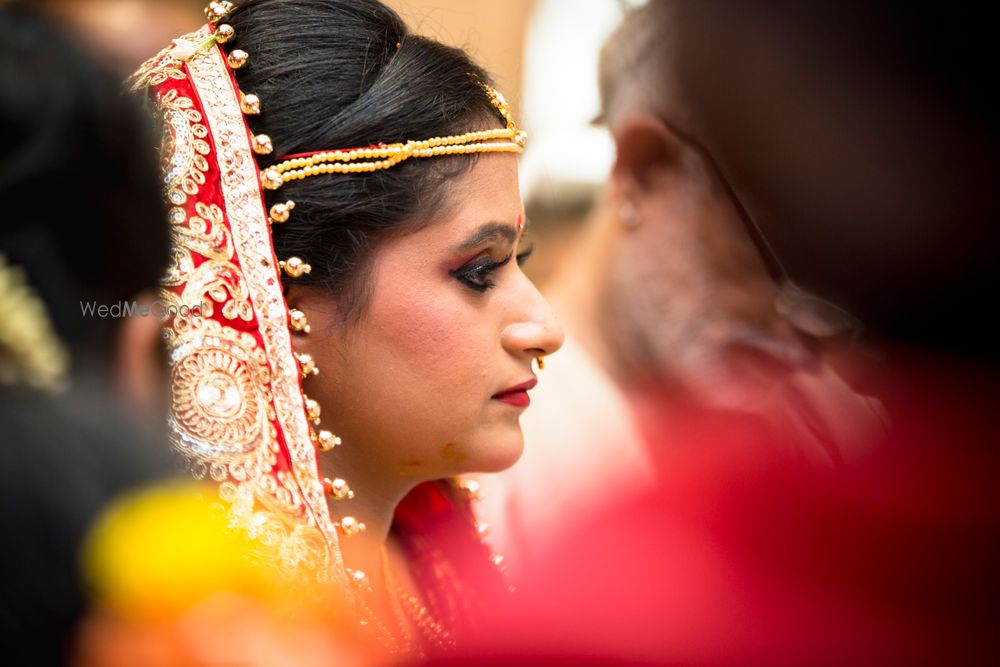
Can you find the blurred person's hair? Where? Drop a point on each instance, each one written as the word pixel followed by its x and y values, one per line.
pixel 82 208
pixel 632 58
pixel 82 220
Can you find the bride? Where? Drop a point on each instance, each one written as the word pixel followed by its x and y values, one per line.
pixel 348 325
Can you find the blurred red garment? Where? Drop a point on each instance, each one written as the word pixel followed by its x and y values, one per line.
pixel 745 555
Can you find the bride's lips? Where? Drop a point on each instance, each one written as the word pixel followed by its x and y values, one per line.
pixel 517 395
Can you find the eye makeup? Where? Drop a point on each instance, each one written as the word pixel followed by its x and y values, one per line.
pixel 477 274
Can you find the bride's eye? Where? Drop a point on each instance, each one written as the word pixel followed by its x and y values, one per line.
pixel 476 274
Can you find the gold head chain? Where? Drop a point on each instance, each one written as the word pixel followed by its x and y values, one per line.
pixel 381 156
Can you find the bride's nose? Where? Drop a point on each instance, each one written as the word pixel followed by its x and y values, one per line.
pixel 534 329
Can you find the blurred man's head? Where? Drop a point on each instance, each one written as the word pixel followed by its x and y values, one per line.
pixel 859 138
pixel 83 218
pixel 692 294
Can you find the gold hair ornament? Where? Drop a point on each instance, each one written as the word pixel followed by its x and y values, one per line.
pixel 30 350
pixel 381 156
pixel 384 156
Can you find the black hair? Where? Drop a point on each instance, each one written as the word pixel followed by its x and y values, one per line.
pixel 82 206
pixel 82 216
pixel 337 74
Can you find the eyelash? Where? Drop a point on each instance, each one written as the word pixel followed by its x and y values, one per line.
pixel 476 274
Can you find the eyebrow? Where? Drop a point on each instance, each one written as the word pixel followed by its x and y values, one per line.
pixel 491 231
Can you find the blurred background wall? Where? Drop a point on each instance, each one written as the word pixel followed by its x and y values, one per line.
pixel 493 33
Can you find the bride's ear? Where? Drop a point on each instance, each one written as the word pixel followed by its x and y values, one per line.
pixel 317 306
pixel 645 148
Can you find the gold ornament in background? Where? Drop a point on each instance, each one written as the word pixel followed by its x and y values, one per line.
pixel 30 350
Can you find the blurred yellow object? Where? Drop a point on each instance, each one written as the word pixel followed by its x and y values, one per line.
pixel 159 551
pixel 173 584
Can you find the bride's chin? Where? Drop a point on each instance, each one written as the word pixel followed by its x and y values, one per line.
pixel 498 452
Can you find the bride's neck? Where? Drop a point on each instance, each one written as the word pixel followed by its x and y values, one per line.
pixel 374 502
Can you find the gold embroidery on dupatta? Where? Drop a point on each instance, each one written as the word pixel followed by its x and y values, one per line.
pixel 157 70
pixel 216 280
pixel 295 515
pixel 184 147
pixel 227 389
pixel 219 405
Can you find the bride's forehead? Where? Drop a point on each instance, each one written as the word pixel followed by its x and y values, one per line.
pixel 486 197
pixel 488 190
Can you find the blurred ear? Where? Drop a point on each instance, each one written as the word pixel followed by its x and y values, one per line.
pixel 645 149
pixel 140 372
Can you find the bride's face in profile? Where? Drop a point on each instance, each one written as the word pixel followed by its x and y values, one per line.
pixel 424 384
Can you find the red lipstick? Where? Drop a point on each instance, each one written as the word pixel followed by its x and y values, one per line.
pixel 517 395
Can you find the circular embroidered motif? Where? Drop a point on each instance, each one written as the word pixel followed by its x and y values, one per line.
pixel 218 409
